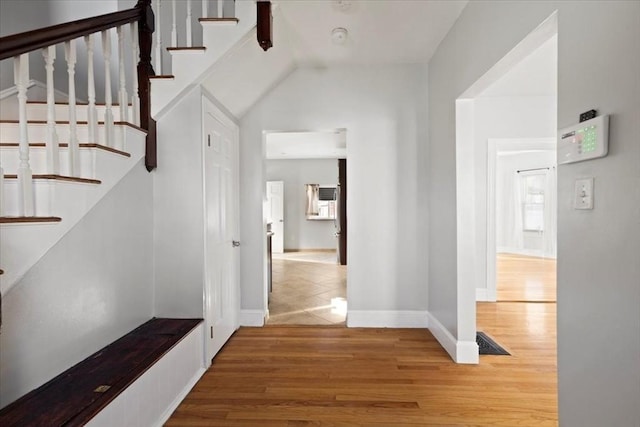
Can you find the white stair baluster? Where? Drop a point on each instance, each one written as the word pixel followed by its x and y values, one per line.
pixel 220 8
pixel 158 57
pixel 108 112
pixel 74 151
pixel 174 27
pixel 189 43
pixel 135 49
pixel 92 111
pixel 52 143
pixel 205 8
pixel 123 97
pixel 25 176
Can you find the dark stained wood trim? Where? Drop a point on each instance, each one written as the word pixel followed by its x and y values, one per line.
pixel 29 41
pixel 75 396
pixel 59 178
pixel 28 219
pixel 65 145
pixel 187 49
pixel 79 104
pixel 342 241
pixel 164 76
pixel 236 20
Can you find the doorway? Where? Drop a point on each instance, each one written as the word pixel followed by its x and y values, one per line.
pixel 505 164
pixel 307 274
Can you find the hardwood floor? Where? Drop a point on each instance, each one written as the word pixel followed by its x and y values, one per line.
pixel 525 278
pixel 309 288
pixel 336 376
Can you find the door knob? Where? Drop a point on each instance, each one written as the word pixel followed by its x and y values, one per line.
pixel 235 243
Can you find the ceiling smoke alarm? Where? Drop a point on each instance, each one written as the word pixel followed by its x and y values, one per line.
pixel 342 5
pixel 339 35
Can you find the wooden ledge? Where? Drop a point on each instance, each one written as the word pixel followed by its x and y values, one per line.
pixel 163 77
pixel 187 49
pixel 59 178
pixel 78 103
pixel 65 145
pixel 78 394
pixel 227 20
pixel 65 122
pixel 28 219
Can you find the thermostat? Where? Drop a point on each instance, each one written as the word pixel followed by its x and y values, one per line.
pixel 584 141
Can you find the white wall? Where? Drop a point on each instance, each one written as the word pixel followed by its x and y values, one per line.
pixel 179 211
pixel 383 110
pixel 299 233
pixel 598 269
pixel 92 287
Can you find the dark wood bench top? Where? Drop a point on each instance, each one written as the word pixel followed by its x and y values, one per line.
pixel 78 394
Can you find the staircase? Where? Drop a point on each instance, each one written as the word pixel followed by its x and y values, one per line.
pixel 59 159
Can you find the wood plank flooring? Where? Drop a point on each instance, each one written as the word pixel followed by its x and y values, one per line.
pixel 336 376
pixel 525 278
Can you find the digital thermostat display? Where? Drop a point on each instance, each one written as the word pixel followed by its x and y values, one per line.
pixel 584 141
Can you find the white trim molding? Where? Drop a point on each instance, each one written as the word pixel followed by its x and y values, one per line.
pixel 180 397
pixel 387 319
pixel 486 295
pixel 460 351
pixel 252 317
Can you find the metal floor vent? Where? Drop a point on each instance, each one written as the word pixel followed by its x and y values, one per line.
pixel 488 346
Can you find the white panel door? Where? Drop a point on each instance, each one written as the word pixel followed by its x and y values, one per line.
pixel 275 200
pixel 221 229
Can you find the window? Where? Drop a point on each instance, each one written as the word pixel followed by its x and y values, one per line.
pixel 533 201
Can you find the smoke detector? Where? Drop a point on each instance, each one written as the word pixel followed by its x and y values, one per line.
pixel 339 36
pixel 342 5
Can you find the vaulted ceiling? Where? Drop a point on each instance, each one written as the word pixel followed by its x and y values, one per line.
pixel 378 32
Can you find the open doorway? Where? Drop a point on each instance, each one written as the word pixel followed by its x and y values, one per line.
pixel 506 190
pixel 305 213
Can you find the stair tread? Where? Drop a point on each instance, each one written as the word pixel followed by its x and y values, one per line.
pixel 163 76
pixel 28 219
pixel 58 178
pixel 66 122
pixel 64 145
pixel 218 20
pixel 78 103
pixel 195 48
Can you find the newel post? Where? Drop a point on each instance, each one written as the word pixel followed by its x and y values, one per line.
pixel 146 28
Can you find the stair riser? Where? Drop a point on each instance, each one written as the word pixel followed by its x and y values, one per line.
pixel 10 132
pixel 39 112
pixel 38 161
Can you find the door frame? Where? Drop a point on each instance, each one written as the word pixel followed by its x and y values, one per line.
pixel 206 295
pixel 494 147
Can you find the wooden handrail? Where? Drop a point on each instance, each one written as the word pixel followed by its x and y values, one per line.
pixel 18 44
pixel 29 41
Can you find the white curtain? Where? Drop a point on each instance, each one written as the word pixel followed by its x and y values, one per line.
pixel 313 192
pixel 550 213
pixel 517 226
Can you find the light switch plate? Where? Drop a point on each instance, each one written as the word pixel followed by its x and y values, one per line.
pixel 583 195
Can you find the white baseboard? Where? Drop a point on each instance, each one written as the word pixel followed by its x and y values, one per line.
pixel 460 351
pixel 485 295
pixel 252 317
pixel 180 397
pixel 387 319
pixel 526 252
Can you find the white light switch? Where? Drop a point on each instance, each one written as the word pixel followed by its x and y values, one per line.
pixel 583 196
